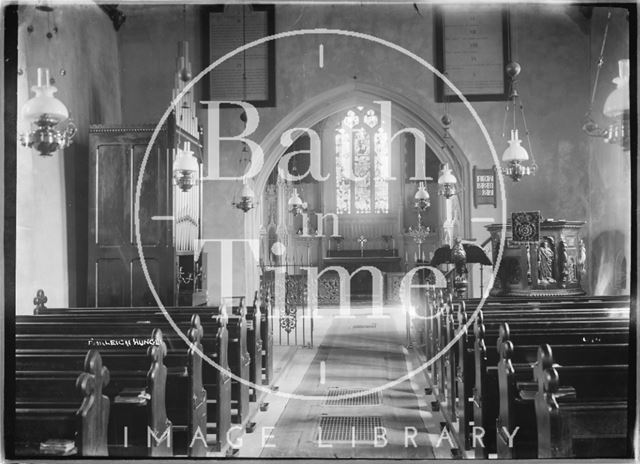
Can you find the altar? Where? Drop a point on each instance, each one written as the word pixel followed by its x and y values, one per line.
pixel 387 261
pixel 553 265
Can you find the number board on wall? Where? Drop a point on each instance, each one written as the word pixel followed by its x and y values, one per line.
pixel 472 51
pixel 224 32
pixel 484 187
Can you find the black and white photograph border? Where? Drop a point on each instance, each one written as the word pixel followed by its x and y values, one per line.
pixel 334 231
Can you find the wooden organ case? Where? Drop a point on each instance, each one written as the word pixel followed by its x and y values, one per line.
pixel 170 219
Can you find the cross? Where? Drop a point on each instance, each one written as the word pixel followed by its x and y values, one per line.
pixel 362 240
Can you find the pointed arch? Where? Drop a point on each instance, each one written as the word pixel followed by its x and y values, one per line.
pixel 405 111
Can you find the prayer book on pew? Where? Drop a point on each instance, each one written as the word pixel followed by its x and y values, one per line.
pixel 59 447
pixel 132 396
pixel 528 390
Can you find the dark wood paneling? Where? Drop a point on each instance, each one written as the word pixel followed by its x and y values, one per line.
pixel 140 292
pixel 111 279
pixel 154 195
pixel 115 274
pixel 112 206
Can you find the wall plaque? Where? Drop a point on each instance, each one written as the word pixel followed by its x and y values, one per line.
pixel 484 187
pixel 472 51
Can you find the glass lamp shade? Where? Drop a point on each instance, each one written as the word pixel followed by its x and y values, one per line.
pixel 617 103
pixel 247 192
pixel 44 108
pixel 295 203
pixel 447 182
pixel 43 113
pixel 422 193
pixel 515 151
pixel 421 198
pixel 446 176
pixel 295 199
pixel 185 168
pixel 246 198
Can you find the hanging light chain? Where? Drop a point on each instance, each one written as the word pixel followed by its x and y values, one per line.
pixel 513 94
pixel 600 62
pixel 515 97
pixel 184 21
pixel 526 132
pixel 504 120
pixel 446 98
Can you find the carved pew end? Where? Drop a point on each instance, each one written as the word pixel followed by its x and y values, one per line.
pixel 39 302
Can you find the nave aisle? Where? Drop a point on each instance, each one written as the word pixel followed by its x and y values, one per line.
pixel 357 353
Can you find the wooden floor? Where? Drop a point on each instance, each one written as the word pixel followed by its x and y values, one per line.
pixel 356 353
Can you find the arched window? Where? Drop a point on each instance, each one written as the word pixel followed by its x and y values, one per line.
pixel 362 151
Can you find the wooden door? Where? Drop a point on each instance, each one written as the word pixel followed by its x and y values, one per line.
pixel 116 276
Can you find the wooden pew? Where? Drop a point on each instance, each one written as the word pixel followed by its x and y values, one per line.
pixel 239 357
pixel 570 335
pixel 259 340
pixel 589 371
pixel 211 387
pixel 259 344
pixel 519 301
pixel 141 370
pixel 465 363
pixel 65 406
pixel 453 374
pixel 261 311
pixel 573 426
pixel 266 333
pixel 239 363
pixel 440 324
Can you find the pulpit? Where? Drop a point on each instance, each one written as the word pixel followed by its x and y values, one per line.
pixel 553 265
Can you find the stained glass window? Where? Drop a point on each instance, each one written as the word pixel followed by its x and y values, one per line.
pixel 362 152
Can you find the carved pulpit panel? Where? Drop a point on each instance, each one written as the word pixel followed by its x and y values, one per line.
pixel 552 264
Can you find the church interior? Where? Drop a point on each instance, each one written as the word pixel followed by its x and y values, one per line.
pixel 314 230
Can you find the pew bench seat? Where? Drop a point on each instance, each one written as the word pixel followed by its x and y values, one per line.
pixel 62 412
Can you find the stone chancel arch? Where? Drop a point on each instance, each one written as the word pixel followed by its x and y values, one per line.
pixel 405 114
pixel 324 105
